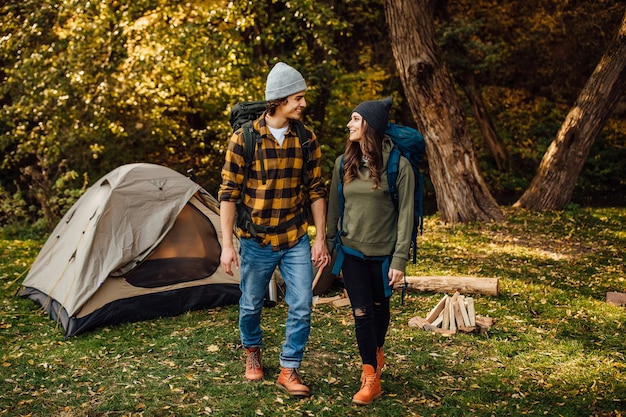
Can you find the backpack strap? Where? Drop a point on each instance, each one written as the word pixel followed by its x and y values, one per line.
pixel 305 144
pixel 338 246
pixel 393 166
pixel 252 140
pixel 342 199
pixel 248 152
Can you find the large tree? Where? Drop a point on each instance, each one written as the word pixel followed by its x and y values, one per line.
pixel 553 186
pixel 462 195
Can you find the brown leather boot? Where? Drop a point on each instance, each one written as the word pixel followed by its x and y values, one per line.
pixel 254 369
pixel 370 387
pixel 380 360
pixel 291 382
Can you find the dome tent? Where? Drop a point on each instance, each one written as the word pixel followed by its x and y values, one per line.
pixel 143 242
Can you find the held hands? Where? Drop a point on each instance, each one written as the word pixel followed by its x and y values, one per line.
pixel 319 253
pixel 395 276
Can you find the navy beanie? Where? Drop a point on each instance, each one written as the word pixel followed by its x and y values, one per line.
pixel 376 113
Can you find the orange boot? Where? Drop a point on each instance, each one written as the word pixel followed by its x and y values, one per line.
pixel 380 360
pixel 254 370
pixel 291 382
pixel 370 387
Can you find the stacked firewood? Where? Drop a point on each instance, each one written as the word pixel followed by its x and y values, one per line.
pixel 451 314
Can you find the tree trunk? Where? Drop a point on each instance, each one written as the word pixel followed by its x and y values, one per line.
pixel 462 195
pixel 553 186
pixel 483 120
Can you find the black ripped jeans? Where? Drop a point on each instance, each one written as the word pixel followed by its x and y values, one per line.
pixel 364 282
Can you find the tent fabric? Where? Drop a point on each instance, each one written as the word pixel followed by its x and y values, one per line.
pixel 142 242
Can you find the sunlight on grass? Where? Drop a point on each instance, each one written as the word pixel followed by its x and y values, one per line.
pixel 556 347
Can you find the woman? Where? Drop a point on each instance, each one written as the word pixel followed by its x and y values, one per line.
pixel 371 236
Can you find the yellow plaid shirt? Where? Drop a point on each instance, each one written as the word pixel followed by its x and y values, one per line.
pixel 282 197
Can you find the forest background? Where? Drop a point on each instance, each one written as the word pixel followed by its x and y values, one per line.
pixel 89 86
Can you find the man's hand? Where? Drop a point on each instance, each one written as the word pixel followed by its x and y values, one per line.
pixel 319 251
pixel 229 256
pixel 227 221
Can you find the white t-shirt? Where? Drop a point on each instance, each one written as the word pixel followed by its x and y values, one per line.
pixel 279 134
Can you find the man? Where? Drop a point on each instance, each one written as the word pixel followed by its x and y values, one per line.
pixel 276 201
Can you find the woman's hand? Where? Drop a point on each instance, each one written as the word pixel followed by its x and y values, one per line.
pixel 395 276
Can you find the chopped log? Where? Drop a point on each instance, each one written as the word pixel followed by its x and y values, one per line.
pixel 452 304
pixel 436 311
pixel 458 316
pixel 463 309
pixel 419 322
pixel 453 313
pixel 437 322
pixel 444 332
pixel 484 323
pixel 435 329
pixel 336 301
pixel 465 329
pixel 616 298
pixel 445 284
pixel 471 312
pixel 341 302
pixel 325 300
pixel 446 315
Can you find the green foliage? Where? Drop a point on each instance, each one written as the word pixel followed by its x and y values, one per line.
pixel 547 47
pixel 531 60
pixel 527 126
pixel 556 347
pixel 88 86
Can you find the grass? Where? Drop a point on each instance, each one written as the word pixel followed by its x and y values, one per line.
pixel 556 348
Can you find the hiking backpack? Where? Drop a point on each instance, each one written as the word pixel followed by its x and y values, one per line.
pixel 242 115
pixel 408 142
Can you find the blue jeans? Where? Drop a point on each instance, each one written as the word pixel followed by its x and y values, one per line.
pixel 257 266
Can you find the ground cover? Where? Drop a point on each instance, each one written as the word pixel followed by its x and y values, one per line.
pixel 556 348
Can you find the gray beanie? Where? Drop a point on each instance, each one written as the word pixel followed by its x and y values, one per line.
pixel 375 113
pixel 283 81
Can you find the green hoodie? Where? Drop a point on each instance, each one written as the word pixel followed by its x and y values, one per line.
pixel 371 224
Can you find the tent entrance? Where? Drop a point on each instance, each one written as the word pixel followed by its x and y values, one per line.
pixel 190 251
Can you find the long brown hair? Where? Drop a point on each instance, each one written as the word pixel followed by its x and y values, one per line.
pixel 369 146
